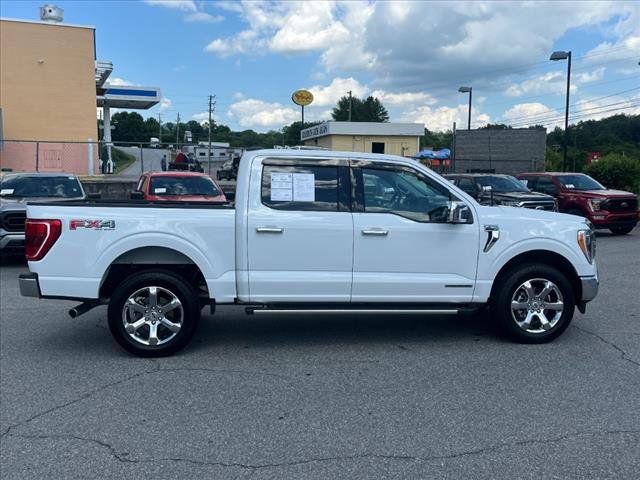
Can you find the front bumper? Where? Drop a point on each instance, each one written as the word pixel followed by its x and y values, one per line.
pixel 589 288
pixel 29 286
pixel 12 241
pixel 603 219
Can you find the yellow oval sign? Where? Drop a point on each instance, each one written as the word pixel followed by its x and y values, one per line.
pixel 302 97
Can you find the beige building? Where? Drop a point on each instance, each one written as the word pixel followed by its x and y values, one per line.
pixel 47 93
pixel 373 137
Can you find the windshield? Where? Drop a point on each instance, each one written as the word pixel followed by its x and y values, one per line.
pixel 502 184
pixel 162 186
pixel 579 182
pixel 36 186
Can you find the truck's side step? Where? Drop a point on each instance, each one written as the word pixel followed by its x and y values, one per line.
pixel 347 310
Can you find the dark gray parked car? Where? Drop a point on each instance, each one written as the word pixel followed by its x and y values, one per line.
pixel 16 189
pixel 497 189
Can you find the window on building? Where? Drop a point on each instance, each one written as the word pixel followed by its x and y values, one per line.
pixel 377 147
pixel 300 187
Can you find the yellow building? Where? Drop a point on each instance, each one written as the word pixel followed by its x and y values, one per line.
pixel 373 137
pixel 47 93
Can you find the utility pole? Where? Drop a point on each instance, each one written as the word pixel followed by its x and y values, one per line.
pixel 160 129
pixel 349 92
pixel 211 107
pixel 177 129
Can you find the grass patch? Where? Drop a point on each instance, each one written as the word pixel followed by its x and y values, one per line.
pixel 121 160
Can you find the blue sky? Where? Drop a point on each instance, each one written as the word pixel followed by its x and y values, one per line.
pixel 412 55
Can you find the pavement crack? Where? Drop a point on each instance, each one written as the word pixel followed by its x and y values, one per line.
pixel 623 353
pixel 84 396
pixel 123 457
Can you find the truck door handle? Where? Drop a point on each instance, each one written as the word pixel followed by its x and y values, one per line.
pixel 375 231
pixel 269 229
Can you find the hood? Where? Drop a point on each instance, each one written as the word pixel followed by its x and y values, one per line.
pixel 494 214
pixel 519 196
pixel 602 193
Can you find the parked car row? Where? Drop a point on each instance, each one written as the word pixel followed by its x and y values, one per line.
pixel 572 193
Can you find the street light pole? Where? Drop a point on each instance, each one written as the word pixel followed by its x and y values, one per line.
pixel 565 56
pixel 468 90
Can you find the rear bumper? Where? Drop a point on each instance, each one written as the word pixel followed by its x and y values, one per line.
pixel 29 286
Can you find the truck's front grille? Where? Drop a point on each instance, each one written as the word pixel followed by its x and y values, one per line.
pixel 550 206
pixel 13 221
pixel 620 205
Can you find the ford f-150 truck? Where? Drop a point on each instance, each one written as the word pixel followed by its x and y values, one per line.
pixel 312 231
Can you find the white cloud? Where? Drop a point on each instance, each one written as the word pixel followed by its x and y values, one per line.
pixel 329 95
pixel 528 114
pixel 554 82
pixel 184 5
pixel 121 82
pixel 406 98
pixel 417 46
pixel 203 17
pixel 165 104
pixel 442 118
pixel 201 117
pixel 260 115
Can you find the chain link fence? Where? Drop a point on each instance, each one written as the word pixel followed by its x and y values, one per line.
pixel 127 159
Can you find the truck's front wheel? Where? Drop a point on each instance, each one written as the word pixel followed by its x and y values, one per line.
pixel 533 303
pixel 153 314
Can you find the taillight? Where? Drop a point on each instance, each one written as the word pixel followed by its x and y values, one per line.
pixel 39 237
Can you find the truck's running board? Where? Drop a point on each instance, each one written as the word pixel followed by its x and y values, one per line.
pixel 299 311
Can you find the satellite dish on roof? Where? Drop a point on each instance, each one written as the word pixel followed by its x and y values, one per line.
pixel 51 13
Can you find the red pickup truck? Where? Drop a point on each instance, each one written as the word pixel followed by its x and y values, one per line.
pixel 178 187
pixel 579 194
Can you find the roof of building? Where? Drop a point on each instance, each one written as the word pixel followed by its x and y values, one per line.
pixel 51 24
pixel 363 128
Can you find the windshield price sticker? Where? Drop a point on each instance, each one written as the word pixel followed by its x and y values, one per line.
pixel 281 187
pixel 160 190
pixel 297 187
pixel 304 188
pixel 6 191
pixel 570 185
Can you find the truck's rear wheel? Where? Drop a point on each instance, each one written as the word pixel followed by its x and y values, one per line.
pixel 153 314
pixel 533 304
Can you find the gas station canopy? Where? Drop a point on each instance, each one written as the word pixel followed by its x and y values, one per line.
pixel 141 98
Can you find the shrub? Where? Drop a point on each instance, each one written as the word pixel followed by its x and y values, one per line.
pixel 616 171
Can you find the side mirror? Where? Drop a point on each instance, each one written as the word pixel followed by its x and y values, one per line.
pixel 458 213
pixel 136 196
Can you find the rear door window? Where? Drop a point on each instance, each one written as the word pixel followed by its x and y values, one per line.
pixel 300 187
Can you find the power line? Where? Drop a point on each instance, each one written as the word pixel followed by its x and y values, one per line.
pixel 585 113
pixel 574 104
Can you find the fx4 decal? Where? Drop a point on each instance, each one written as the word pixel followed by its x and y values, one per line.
pixel 92 224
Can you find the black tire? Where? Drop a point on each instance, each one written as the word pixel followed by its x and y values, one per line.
pixel 169 282
pixel 621 230
pixel 504 293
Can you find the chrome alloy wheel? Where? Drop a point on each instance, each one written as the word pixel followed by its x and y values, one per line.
pixel 152 315
pixel 536 305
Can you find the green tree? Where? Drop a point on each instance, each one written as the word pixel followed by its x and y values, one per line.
pixel 368 110
pixel 618 172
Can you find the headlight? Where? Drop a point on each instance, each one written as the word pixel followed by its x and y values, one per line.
pixel 587 243
pixel 508 203
pixel 595 204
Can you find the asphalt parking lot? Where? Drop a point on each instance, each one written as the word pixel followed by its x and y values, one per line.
pixel 325 397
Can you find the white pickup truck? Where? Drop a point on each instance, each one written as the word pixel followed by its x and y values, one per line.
pixel 312 231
